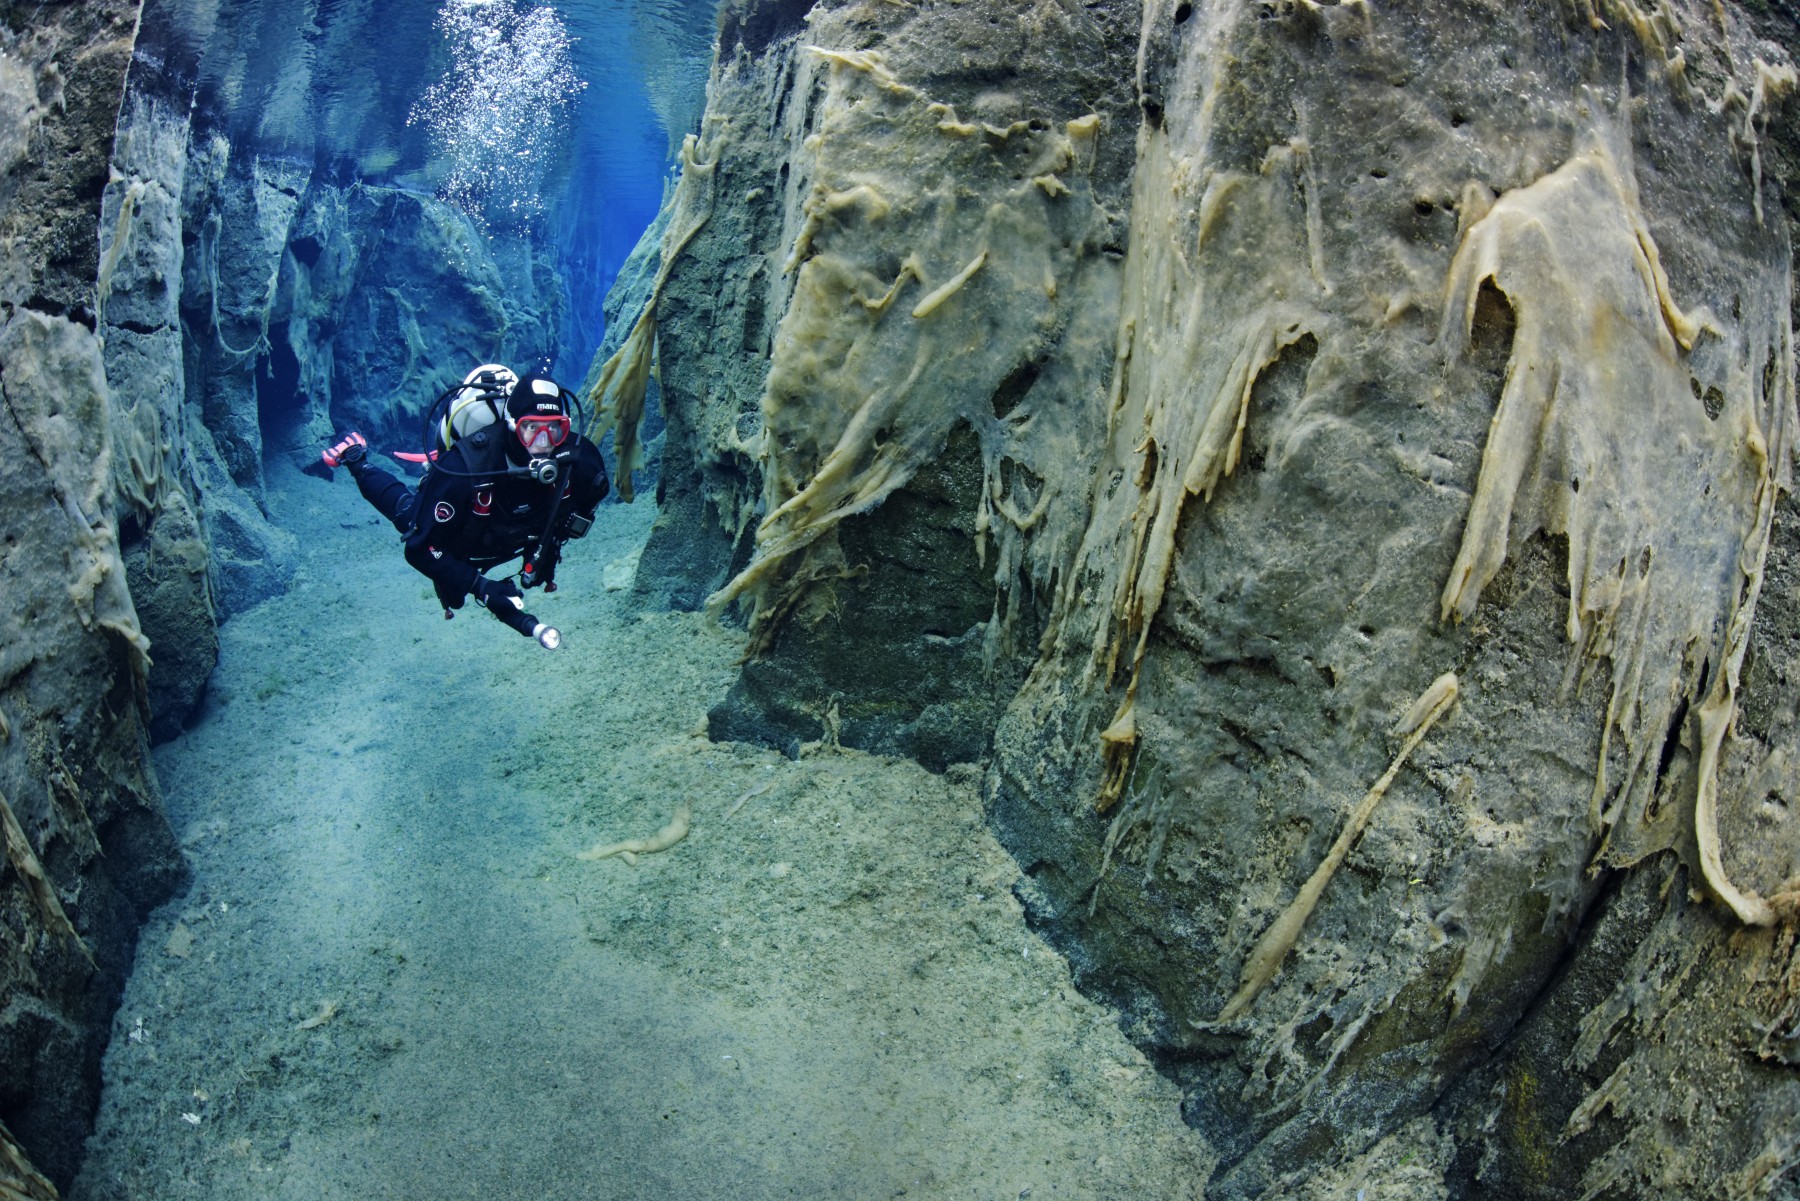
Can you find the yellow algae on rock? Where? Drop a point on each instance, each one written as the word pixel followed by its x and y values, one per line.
pixel 951 125
pixel 24 861
pixel 1222 315
pixel 861 196
pixel 948 288
pixel 853 403
pixel 1265 958
pixel 616 400
pixel 1598 437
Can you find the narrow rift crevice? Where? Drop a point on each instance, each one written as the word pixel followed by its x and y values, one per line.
pixel 280 406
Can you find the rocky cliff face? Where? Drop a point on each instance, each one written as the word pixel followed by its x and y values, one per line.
pixel 1344 469
pixel 88 851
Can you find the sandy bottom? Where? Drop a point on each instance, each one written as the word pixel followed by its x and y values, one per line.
pixel 393 978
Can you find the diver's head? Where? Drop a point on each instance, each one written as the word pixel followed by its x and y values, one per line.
pixel 537 417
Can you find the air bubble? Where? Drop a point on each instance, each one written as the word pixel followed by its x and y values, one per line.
pixel 499 116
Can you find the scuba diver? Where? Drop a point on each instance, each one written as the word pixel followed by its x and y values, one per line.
pixel 506 477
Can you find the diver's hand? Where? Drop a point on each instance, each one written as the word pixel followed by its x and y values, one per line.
pixel 493 593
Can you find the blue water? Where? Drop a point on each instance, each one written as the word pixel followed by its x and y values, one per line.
pixel 335 81
pixel 622 152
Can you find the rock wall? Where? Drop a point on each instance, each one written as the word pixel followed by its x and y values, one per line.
pixel 1344 469
pixel 874 186
pixel 88 851
pixel 401 298
pixel 167 550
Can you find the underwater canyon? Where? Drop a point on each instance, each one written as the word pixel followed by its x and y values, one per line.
pixel 1309 482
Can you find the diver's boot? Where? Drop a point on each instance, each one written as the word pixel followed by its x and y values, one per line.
pixel 349 453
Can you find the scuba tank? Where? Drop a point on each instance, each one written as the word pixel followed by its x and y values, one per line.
pixel 475 404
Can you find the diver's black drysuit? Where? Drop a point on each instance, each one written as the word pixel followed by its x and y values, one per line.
pixel 474 511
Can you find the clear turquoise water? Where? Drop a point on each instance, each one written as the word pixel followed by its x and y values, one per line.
pixel 335 81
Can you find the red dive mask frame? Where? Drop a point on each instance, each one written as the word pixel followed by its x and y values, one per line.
pixel 528 428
